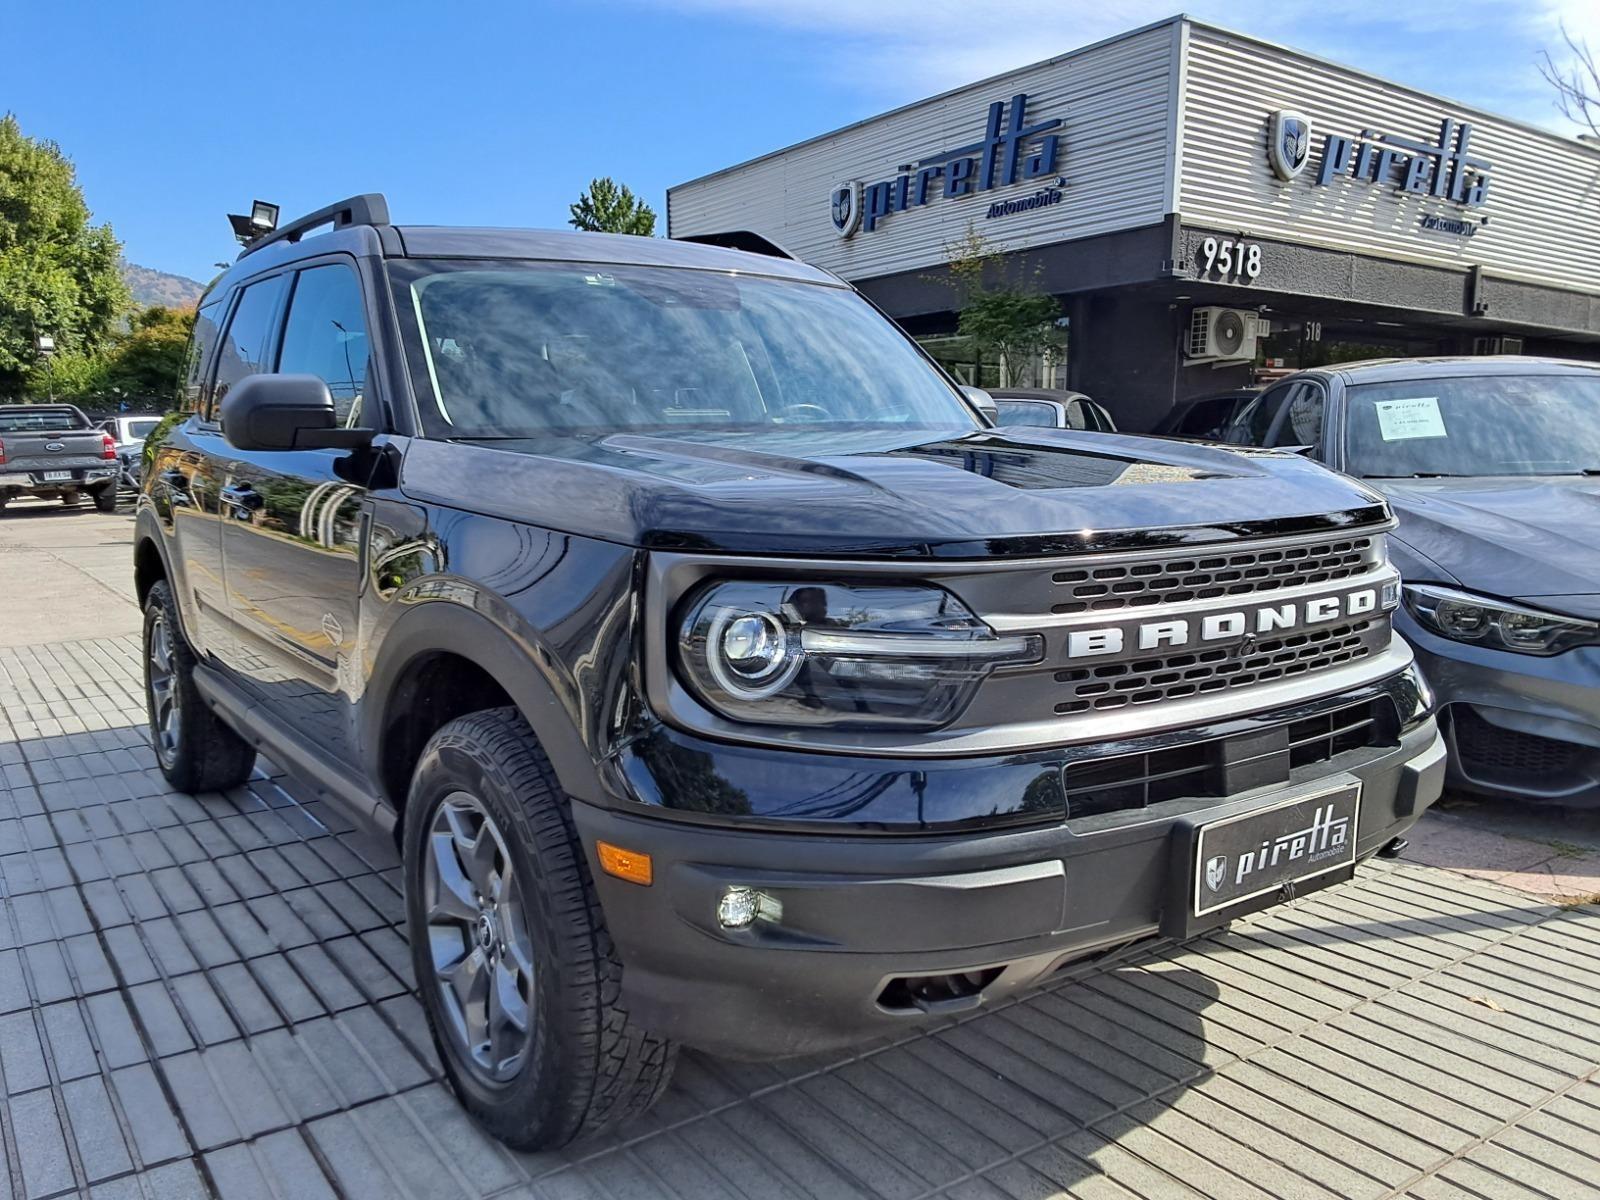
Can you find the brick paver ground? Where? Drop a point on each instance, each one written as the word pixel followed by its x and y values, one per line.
pixel 211 996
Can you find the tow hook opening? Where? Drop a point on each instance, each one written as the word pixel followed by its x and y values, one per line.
pixel 937 993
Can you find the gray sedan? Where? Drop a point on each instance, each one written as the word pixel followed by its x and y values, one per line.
pixel 1493 467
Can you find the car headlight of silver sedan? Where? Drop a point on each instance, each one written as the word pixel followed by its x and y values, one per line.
pixel 1497 624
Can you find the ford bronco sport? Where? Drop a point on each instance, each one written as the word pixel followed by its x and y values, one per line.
pixel 724 678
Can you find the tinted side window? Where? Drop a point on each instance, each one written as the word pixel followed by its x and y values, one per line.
pixel 1302 419
pixel 244 346
pixel 201 342
pixel 1251 427
pixel 326 336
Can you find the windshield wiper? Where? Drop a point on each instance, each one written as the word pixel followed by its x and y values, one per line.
pixel 1420 475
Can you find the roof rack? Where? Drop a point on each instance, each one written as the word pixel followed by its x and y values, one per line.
pixel 370 208
pixel 740 239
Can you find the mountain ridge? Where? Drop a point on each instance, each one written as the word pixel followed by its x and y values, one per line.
pixel 149 286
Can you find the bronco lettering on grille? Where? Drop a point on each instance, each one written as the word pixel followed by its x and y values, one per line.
pixel 1219 628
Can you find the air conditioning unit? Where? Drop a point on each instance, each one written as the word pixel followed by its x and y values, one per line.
pixel 1221 335
pixel 1497 345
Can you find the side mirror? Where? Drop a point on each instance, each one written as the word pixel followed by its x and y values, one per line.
pixel 983 402
pixel 285 412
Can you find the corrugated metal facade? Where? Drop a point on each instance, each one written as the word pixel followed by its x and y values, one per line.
pixel 1116 101
pixel 1541 202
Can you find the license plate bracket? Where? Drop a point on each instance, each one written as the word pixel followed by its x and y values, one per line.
pixel 1227 866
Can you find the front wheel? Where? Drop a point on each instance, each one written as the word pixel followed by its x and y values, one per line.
pixel 516 969
pixel 194 749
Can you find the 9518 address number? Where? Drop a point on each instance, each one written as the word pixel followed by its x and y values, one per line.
pixel 1229 259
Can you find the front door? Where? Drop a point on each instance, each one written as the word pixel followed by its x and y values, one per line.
pixel 293 524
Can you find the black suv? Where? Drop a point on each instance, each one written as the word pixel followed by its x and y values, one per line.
pixel 724 678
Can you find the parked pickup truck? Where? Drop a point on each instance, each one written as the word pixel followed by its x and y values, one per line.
pixel 725 679
pixel 53 451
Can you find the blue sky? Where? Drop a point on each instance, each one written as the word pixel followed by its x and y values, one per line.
pixel 499 114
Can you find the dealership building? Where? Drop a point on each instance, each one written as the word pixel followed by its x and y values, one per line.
pixel 1208 207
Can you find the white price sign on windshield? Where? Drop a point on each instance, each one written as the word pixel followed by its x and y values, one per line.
pixel 1414 417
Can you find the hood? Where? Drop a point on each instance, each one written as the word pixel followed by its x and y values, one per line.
pixel 1534 539
pixel 969 494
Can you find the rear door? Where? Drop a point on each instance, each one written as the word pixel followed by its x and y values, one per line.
pixel 293 521
pixel 191 468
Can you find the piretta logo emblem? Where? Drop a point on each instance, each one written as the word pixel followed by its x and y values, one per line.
pixel 1235 627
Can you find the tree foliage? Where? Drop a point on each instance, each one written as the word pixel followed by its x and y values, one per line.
pixel 143 363
pixel 149 361
pixel 610 207
pixel 1003 311
pixel 58 273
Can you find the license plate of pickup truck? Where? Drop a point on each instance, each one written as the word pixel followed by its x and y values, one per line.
pixel 1240 858
pixel 57 476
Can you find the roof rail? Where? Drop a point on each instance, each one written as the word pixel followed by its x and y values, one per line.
pixel 740 239
pixel 370 208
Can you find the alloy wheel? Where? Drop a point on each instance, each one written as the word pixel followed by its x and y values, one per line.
pixel 165 704
pixel 478 937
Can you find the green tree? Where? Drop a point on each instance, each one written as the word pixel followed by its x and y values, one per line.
pixel 1003 312
pixel 143 363
pixel 610 207
pixel 58 273
pixel 148 361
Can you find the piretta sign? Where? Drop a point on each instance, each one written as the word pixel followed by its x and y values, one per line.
pixel 1242 626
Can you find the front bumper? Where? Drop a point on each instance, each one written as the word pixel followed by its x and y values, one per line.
pixel 995 912
pixel 1518 725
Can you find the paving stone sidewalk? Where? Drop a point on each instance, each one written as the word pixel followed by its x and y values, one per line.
pixel 211 997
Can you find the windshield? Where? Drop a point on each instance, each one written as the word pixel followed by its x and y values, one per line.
pixel 1478 425
pixel 520 350
pixel 41 420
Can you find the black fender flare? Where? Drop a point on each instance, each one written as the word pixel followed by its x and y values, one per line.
pixel 511 660
pixel 147 527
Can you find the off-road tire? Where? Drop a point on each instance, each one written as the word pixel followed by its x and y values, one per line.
pixel 209 756
pixel 106 498
pixel 589 1065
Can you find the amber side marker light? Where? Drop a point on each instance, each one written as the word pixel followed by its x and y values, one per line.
pixel 624 864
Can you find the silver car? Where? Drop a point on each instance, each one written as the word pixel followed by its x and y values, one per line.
pixel 1493 467
pixel 130 433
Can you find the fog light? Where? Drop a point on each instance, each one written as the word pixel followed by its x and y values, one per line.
pixel 740 907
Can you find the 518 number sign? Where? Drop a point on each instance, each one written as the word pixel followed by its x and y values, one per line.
pixel 1230 259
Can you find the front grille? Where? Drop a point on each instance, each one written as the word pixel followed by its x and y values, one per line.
pixel 1487 749
pixel 1136 781
pixel 1179 578
pixel 1200 672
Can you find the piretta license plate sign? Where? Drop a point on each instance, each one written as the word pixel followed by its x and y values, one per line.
pixel 1240 858
pixel 1242 626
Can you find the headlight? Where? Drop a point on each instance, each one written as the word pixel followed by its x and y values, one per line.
pixel 842 656
pixel 1498 624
